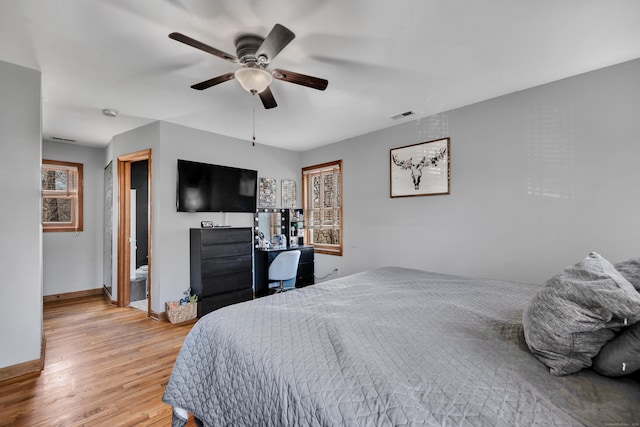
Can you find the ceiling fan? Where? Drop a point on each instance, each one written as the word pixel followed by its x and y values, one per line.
pixel 255 53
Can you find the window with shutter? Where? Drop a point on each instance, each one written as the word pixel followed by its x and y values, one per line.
pixel 322 204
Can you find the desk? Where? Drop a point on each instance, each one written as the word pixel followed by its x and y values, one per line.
pixel 264 257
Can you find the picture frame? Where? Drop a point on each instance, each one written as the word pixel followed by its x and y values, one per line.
pixel 288 193
pixel 267 193
pixel 420 169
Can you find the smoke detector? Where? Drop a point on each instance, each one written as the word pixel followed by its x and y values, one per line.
pixel 110 112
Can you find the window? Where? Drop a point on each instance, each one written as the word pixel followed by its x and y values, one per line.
pixel 322 204
pixel 61 196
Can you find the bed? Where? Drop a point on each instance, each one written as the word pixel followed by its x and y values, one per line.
pixel 386 347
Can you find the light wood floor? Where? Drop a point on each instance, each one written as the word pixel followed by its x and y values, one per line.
pixel 104 366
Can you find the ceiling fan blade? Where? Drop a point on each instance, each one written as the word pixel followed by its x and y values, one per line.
pixel 267 99
pixel 204 47
pixel 278 38
pixel 300 79
pixel 214 81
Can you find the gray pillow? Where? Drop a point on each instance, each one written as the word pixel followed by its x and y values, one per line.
pixel 572 317
pixel 630 269
pixel 621 355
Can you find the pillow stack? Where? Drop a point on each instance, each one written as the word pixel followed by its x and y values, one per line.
pixel 621 355
pixel 579 312
pixel 630 269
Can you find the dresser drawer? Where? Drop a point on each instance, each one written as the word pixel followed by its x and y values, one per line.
pixel 223 283
pixel 218 266
pixel 305 269
pixel 225 235
pixel 226 250
pixel 207 305
pixel 306 255
pixel 302 281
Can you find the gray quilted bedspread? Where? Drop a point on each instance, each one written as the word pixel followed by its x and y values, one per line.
pixel 387 347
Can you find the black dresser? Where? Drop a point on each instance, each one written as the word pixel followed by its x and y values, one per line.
pixel 264 257
pixel 221 267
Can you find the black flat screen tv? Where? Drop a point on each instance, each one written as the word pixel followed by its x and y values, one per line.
pixel 204 187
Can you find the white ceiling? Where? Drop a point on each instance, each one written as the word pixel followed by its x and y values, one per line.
pixel 381 58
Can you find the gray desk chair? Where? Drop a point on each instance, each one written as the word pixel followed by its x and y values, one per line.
pixel 284 267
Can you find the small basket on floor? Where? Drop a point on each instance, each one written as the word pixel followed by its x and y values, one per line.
pixel 177 313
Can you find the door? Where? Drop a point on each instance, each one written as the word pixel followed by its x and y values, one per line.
pixel 127 238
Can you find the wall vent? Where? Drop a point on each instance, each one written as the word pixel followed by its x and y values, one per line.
pixel 57 138
pixel 403 115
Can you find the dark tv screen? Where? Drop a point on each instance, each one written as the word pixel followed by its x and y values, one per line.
pixel 204 187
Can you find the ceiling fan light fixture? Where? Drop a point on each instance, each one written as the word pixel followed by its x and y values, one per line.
pixel 253 80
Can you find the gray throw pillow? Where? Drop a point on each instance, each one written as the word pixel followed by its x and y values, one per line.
pixel 630 269
pixel 572 317
pixel 621 355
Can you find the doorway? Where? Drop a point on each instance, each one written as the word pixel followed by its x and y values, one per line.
pixel 134 244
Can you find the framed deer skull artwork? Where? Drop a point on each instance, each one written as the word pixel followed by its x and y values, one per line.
pixel 420 169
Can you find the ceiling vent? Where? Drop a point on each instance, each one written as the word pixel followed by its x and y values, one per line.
pixel 403 115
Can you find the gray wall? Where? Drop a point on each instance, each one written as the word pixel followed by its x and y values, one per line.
pixel 170 239
pixel 142 138
pixel 20 230
pixel 73 261
pixel 538 179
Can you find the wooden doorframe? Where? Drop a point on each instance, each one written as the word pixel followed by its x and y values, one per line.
pixel 124 224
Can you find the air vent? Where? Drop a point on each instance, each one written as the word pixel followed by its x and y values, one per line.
pixel 403 115
pixel 57 138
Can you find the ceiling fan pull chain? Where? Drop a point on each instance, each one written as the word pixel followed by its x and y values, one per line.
pixel 254 120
